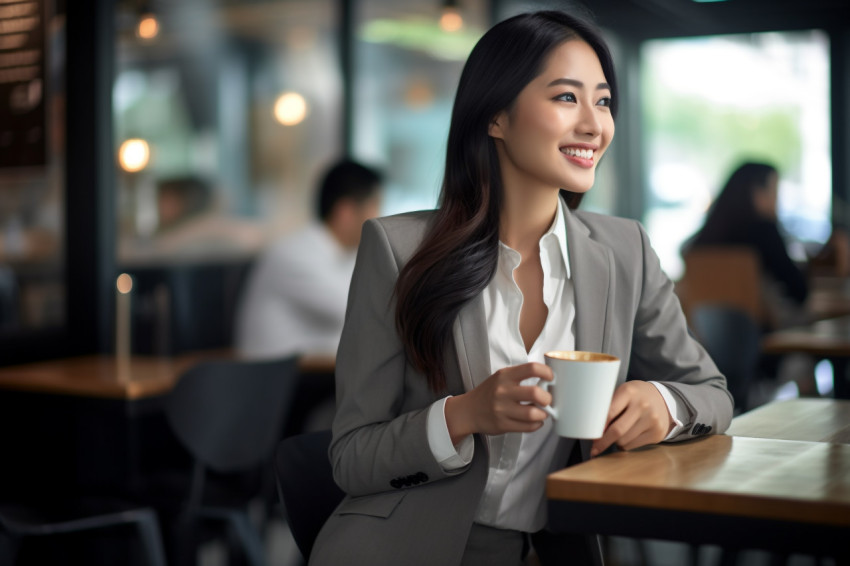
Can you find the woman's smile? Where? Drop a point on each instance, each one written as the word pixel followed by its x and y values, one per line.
pixel 581 156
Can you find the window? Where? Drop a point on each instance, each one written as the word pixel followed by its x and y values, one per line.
pixel 710 103
pixel 406 72
pixel 224 115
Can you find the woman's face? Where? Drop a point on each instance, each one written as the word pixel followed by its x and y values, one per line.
pixel 765 198
pixel 559 126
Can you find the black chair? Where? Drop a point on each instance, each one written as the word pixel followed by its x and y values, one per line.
pixel 18 522
pixel 228 415
pixel 732 339
pixel 306 485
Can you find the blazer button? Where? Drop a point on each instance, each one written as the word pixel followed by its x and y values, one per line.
pixel 396 484
pixel 422 477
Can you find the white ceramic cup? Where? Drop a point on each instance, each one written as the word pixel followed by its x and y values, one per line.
pixel 582 389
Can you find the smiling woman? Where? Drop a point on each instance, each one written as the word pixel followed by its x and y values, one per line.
pixel 451 311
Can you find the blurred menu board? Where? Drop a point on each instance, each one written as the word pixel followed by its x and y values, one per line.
pixel 22 72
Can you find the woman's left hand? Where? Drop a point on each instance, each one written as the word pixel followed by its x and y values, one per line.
pixel 638 416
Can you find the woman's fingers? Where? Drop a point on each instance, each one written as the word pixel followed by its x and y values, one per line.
pixel 638 416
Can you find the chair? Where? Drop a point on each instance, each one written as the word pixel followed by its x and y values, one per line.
pixel 228 415
pixel 306 485
pixel 21 521
pixel 722 275
pixel 732 339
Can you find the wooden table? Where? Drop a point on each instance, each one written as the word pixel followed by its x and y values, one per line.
pixel 102 376
pixel 734 491
pixel 812 420
pixel 829 339
pixel 829 297
pixel 91 421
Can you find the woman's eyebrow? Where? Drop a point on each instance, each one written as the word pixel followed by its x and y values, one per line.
pixel 577 84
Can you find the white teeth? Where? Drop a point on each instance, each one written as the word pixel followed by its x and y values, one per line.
pixel 582 153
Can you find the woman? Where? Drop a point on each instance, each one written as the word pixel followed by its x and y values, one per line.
pixel 744 214
pixel 439 439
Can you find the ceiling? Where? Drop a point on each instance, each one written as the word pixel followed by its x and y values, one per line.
pixel 643 19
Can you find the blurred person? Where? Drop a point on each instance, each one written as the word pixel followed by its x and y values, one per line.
pixel 190 224
pixel 295 296
pixel 744 214
pixel 440 441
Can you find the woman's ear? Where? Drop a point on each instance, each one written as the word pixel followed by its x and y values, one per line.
pixel 495 129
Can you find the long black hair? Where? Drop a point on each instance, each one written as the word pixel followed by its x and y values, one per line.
pixel 734 209
pixel 458 256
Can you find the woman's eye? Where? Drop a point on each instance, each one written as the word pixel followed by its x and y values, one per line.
pixel 606 101
pixel 566 97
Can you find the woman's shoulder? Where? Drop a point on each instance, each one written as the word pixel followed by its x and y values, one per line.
pixel 403 232
pixel 606 227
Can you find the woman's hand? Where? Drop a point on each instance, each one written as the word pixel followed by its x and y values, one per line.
pixel 638 416
pixel 500 404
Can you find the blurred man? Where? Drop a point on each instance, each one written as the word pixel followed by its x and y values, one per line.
pixel 295 297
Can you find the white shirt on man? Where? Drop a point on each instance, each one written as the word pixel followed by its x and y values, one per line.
pixel 295 296
pixel 514 496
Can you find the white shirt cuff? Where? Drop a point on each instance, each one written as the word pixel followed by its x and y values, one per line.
pixel 450 457
pixel 674 406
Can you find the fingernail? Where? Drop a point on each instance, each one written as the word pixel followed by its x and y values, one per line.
pixel 594 452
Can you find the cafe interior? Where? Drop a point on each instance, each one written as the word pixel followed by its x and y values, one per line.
pixel 118 306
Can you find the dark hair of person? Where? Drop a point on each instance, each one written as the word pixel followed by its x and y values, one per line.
pixel 734 210
pixel 459 253
pixel 346 179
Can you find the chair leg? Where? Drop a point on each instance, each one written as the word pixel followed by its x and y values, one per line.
pixel 150 534
pixel 251 541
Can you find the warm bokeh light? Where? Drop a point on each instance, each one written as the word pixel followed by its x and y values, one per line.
pixel 148 27
pixel 290 108
pixel 124 283
pixel 133 155
pixel 451 20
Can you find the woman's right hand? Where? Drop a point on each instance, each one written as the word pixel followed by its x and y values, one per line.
pixel 500 404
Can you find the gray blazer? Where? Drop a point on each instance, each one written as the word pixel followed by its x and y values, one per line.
pixel 401 507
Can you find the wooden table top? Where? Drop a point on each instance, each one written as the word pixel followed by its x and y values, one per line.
pixel 98 376
pixel 813 420
pixel 828 297
pixel 749 477
pixel 827 338
pixel 103 377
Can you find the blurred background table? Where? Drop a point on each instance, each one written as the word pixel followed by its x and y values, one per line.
pixel 92 423
pixel 827 339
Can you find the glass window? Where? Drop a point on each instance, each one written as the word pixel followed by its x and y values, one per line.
pixel 224 115
pixel 408 59
pixel 710 103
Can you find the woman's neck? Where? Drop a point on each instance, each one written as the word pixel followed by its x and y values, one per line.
pixel 525 217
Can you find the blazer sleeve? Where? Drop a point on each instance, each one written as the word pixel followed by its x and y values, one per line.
pixel 380 428
pixel 663 350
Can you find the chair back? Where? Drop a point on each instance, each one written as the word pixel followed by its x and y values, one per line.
pixel 306 485
pixel 732 339
pixel 229 413
pixel 722 275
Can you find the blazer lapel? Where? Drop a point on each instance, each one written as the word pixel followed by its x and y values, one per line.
pixel 590 268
